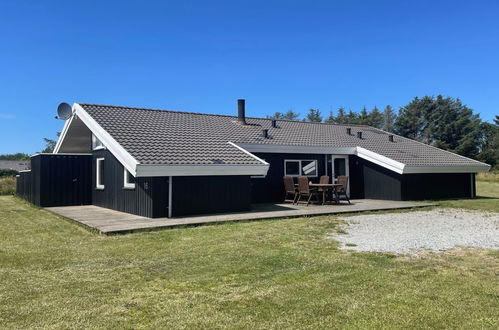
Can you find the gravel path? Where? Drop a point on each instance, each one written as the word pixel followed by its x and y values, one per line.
pixel 436 230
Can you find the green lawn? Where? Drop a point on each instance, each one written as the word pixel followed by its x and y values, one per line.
pixel 259 275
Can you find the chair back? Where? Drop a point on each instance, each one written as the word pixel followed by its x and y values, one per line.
pixel 324 179
pixel 343 180
pixel 303 186
pixel 289 185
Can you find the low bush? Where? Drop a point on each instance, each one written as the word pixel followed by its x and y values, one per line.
pixel 490 176
pixel 7 185
pixel 8 172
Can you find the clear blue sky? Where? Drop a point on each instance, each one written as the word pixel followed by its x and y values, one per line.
pixel 203 55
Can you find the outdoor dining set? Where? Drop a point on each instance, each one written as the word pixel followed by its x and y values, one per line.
pixel 323 192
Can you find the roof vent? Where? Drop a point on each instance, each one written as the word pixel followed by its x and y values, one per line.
pixel 274 123
pixel 349 131
pixel 390 138
pixel 265 133
pixel 241 111
pixel 359 135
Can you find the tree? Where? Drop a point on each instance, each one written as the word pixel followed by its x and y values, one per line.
pixel 389 118
pixel 331 119
pixel 363 118
pixel 490 144
pixel 288 115
pixel 342 117
pixel 50 144
pixel 443 122
pixel 375 118
pixel 17 156
pixel 314 115
pixel 352 117
pixel 411 121
pixel 496 120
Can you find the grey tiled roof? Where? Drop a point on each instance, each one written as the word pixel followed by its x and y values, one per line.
pixel 173 137
pixel 18 165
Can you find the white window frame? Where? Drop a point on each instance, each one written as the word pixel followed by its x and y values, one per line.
pixel 97 144
pixel 301 167
pixel 98 185
pixel 126 180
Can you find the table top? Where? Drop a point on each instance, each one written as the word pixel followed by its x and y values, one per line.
pixel 325 184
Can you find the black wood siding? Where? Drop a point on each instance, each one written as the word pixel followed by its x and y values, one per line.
pixel 210 194
pixel 57 180
pixel 271 188
pixel 437 186
pixel 148 199
pixel 369 180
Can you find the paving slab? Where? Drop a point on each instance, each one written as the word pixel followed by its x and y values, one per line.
pixel 109 221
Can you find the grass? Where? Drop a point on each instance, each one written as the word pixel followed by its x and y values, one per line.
pixel 489 177
pixel 260 275
pixel 7 185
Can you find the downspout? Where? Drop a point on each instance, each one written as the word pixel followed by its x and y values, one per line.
pixel 170 184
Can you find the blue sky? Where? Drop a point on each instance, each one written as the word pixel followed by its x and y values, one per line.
pixel 203 55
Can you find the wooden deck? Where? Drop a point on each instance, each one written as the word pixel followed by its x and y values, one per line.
pixel 108 221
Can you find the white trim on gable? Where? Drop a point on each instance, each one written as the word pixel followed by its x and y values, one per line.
pixel 62 136
pixel 111 144
pixel 376 158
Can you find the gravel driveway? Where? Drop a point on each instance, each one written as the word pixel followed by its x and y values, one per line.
pixel 436 230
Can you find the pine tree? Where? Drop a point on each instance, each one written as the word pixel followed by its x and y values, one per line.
pixel 314 115
pixel 289 115
pixel 331 119
pixel 352 117
pixel 443 122
pixel 341 118
pixel 375 118
pixel 389 118
pixel 363 117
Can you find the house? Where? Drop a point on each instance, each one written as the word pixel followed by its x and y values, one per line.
pixel 15 165
pixel 158 163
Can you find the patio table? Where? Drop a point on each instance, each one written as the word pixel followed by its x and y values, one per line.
pixel 325 187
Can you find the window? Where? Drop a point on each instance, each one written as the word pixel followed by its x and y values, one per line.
pixel 128 180
pixel 96 143
pixel 300 167
pixel 99 173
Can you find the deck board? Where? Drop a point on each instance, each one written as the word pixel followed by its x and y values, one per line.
pixel 109 221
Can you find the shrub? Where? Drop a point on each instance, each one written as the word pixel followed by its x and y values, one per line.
pixel 7 185
pixel 8 172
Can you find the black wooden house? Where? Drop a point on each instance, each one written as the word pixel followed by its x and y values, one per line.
pixel 159 163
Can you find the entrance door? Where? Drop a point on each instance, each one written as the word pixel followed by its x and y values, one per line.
pixel 340 167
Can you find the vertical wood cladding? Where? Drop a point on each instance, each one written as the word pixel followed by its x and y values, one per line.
pixel 271 188
pixel 149 198
pixel 210 194
pixel 57 180
pixel 369 180
pixel 437 186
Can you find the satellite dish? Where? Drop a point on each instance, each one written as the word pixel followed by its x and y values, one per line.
pixel 64 111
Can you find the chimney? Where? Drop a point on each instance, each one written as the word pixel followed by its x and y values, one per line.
pixel 274 123
pixel 390 138
pixel 359 135
pixel 265 133
pixel 241 111
pixel 349 131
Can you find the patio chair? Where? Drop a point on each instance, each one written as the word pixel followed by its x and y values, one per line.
pixel 342 190
pixel 289 187
pixel 323 180
pixel 304 190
